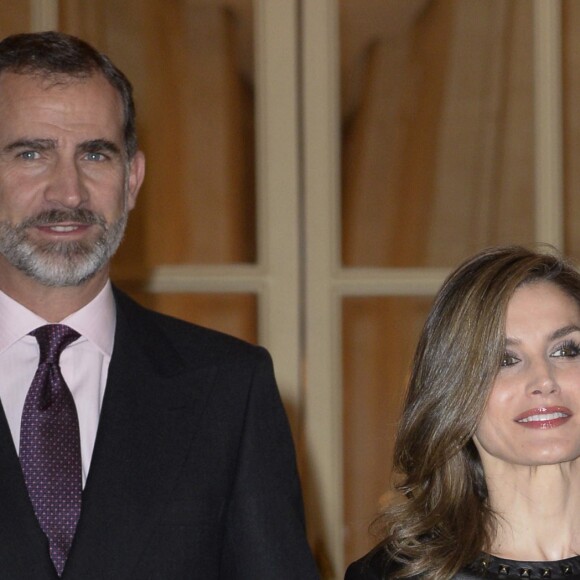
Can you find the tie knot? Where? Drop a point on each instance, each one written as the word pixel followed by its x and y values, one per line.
pixel 52 340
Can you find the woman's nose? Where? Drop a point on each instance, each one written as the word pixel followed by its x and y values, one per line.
pixel 542 380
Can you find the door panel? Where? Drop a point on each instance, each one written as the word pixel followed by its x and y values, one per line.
pixel 15 17
pixel 378 345
pixel 437 126
pixel 189 67
pixel 571 125
pixel 234 314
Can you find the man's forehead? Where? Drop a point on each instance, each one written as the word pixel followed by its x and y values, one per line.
pixel 44 82
pixel 76 91
pixel 49 78
pixel 33 108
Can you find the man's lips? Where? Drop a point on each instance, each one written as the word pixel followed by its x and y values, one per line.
pixel 544 417
pixel 63 228
pixel 63 222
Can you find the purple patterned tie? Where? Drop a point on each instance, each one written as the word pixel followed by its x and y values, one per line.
pixel 50 452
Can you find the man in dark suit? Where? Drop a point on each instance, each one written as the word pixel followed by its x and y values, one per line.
pixel 182 464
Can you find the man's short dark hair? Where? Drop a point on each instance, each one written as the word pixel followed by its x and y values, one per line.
pixel 55 54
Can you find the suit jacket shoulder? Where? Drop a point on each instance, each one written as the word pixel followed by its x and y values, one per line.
pixel 193 472
pixel 184 339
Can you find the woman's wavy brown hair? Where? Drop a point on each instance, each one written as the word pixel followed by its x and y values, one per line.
pixel 442 520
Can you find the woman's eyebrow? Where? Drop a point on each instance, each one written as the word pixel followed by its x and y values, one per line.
pixel 564 331
pixel 559 333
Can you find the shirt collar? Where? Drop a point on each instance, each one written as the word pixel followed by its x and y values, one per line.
pixel 95 321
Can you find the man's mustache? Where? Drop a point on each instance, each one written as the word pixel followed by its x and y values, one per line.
pixel 57 216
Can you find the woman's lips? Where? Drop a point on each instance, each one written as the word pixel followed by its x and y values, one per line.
pixel 544 417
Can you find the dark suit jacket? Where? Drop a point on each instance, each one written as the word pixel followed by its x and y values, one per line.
pixel 193 472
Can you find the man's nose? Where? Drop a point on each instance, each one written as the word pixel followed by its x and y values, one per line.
pixel 66 185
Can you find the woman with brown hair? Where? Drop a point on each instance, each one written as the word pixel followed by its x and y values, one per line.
pixel 488 446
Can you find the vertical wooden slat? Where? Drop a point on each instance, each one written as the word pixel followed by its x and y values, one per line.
pixel 548 122
pixel 43 15
pixel 278 192
pixel 323 401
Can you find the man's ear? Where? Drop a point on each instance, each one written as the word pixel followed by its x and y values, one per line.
pixel 136 176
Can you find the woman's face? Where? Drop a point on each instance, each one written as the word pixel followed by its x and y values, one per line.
pixel 532 416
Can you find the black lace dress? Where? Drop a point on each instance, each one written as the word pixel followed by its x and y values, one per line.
pixel 374 567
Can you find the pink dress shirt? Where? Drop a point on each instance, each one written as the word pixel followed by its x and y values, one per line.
pixel 84 363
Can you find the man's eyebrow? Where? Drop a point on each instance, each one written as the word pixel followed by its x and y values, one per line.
pixel 42 144
pixel 92 146
pixel 96 145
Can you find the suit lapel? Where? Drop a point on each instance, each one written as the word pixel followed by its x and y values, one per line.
pixel 149 415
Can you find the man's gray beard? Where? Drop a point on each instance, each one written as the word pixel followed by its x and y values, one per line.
pixel 60 264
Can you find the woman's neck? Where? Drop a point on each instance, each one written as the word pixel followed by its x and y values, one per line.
pixel 537 510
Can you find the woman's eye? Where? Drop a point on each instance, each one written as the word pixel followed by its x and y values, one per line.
pixel 568 349
pixel 509 360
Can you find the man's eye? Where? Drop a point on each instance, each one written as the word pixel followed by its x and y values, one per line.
pixel 29 155
pixel 568 349
pixel 95 156
pixel 509 360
